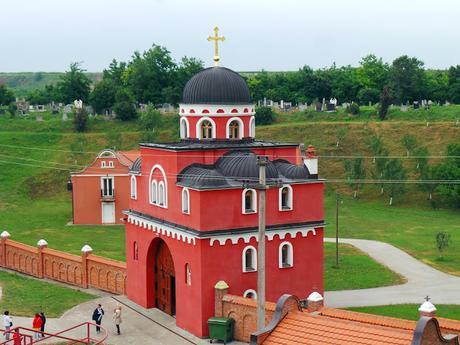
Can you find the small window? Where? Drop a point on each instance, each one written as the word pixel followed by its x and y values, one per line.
pixel 135 251
pixel 234 130
pixel 250 294
pixel 185 201
pixel 184 131
pixel 286 257
pixel 188 275
pixel 252 127
pixel 161 193
pixel 249 259
pixel 285 198
pixel 249 201
pixel 110 164
pixel 133 187
pixel 107 186
pixel 153 192
pixel 103 164
pixel 206 129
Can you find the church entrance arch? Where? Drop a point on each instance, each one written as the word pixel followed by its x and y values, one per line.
pixel 165 279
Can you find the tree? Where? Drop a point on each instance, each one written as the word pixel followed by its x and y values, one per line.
pixel 264 115
pixel 407 79
pixel 356 172
pixel 74 85
pixel 102 98
pixel 449 171
pixel 442 242
pixel 385 102
pixel 6 95
pixel 80 120
pixel 151 120
pixel 454 84
pixel 44 96
pixel 375 144
pixel 373 73
pixel 410 143
pixel 394 176
pixel 124 106
pixel 368 95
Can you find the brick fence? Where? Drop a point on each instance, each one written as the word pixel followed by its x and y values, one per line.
pixel 85 271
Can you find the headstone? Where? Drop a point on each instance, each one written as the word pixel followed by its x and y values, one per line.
pixel 65 117
pixel 39 118
pixel 78 103
pixel 416 105
pixel 319 107
pixel 404 107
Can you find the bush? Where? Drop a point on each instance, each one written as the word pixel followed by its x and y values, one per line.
pixel 368 95
pixel 80 120
pixel 151 119
pixel 264 116
pixel 353 108
pixel 124 106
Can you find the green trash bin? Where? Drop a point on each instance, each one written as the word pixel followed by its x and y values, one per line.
pixel 221 328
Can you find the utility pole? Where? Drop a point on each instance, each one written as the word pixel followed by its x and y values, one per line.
pixel 337 203
pixel 262 162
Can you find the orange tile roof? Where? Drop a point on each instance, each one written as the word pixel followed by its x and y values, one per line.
pixel 128 157
pixel 314 329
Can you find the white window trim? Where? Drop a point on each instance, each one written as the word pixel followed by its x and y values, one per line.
pixel 113 184
pixel 186 191
pixel 188 269
pixel 151 194
pixel 103 165
pixel 243 259
pixel 247 292
pixel 252 127
pixel 165 181
pixel 110 164
pixel 133 188
pixel 240 129
pixel 198 127
pixel 290 255
pixel 254 201
pixel 290 199
pixel 187 129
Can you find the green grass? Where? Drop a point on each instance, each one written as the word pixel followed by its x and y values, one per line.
pixel 356 270
pixel 410 311
pixel 25 296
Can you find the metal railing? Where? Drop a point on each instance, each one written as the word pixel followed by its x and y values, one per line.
pixel 26 335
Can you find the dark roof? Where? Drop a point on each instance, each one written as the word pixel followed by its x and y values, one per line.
pixel 216 85
pixel 239 167
pixel 136 167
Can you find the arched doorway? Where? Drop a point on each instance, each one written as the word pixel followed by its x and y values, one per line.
pixel 165 280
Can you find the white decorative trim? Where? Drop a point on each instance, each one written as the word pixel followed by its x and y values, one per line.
pixel 153 194
pixel 254 259
pixel 5 234
pixel 86 249
pixel 198 127
pixel 315 297
pixel 212 108
pixel 254 201
pixel 290 198
pixel 187 129
pixel 248 291
pixel 240 129
pixel 108 177
pixel 161 194
pixel 427 307
pixel 185 191
pixel 110 153
pixel 252 127
pixel 162 229
pixel 234 238
pixel 290 255
pixel 133 188
pixel 42 243
pixel 159 167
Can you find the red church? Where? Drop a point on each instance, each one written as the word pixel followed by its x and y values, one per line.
pixel 193 218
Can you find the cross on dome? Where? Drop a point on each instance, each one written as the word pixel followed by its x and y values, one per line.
pixel 216 40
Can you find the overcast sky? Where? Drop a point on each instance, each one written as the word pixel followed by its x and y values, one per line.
pixel 47 35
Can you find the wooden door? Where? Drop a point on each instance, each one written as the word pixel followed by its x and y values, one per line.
pixel 165 280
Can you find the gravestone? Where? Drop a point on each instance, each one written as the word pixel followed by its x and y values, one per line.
pixel 39 118
pixel 416 105
pixel 404 107
pixel 319 107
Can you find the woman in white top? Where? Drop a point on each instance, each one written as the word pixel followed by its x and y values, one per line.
pixel 7 323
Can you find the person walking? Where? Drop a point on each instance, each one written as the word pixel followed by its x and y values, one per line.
pixel 97 317
pixel 117 318
pixel 37 325
pixel 7 324
pixel 42 328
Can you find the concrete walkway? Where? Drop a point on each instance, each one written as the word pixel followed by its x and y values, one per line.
pixel 422 280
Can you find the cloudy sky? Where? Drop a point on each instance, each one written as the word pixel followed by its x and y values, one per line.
pixel 47 35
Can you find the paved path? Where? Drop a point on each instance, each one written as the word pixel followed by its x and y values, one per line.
pixel 422 280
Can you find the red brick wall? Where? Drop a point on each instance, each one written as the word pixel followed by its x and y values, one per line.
pixel 85 271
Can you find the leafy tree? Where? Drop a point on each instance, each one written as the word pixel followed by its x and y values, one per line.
pixel 410 143
pixel 355 172
pixel 125 105
pixel 449 171
pixel 407 79
pixel 44 96
pixel 264 116
pixel 373 73
pixel 6 95
pixel 353 108
pixel 151 120
pixel 394 175
pixel 375 144
pixel 442 242
pixel 80 120
pixel 368 95
pixel 102 98
pixel 454 84
pixel 12 108
pixel 437 88
pixel 385 102
pixel 74 85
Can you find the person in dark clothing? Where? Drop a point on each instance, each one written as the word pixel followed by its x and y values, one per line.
pixel 42 328
pixel 97 317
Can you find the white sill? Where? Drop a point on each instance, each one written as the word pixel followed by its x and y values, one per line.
pixel 249 271
pixel 285 209
pixel 249 212
pixel 286 266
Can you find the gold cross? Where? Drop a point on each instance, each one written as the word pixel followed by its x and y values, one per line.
pixel 216 40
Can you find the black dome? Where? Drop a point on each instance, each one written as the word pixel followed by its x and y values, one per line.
pixel 216 85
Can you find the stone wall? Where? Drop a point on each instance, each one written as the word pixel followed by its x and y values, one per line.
pixel 85 271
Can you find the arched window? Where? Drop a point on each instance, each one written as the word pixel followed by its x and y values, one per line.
pixel 135 251
pixel 110 164
pixel 250 293
pixel 286 255
pixel 206 130
pixel 184 129
pixel 234 130
pixel 285 198
pixel 249 259
pixel 188 275
pixel 249 201
pixel 103 164
pixel 252 127
pixel 154 192
pixel 161 193
pixel 133 187
pixel 185 201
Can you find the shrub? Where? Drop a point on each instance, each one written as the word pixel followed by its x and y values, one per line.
pixel 124 106
pixel 264 116
pixel 80 120
pixel 353 108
